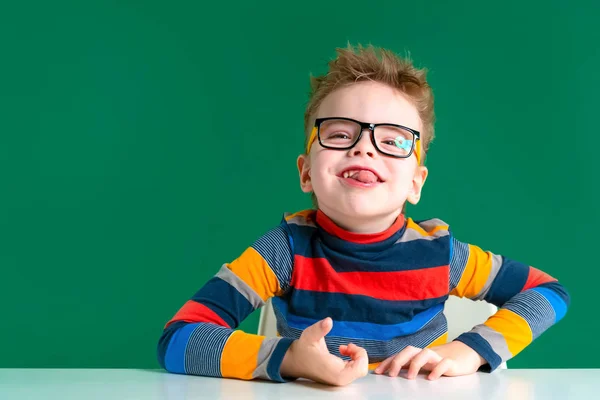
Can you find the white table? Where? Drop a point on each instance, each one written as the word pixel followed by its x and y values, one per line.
pixel 513 384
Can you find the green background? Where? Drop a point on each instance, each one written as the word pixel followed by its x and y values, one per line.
pixel 145 143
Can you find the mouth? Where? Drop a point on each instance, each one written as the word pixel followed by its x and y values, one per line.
pixel 362 176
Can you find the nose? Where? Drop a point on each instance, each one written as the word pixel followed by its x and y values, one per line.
pixel 364 145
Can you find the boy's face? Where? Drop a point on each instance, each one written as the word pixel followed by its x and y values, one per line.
pixel 377 185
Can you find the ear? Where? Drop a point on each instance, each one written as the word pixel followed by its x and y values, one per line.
pixel 304 171
pixel 417 184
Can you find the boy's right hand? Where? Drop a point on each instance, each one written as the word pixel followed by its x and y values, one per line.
pixel 309 358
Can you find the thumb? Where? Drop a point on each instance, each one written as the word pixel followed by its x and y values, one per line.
pixel 317 331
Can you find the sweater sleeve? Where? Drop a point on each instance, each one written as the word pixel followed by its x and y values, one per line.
pixel 201 338
pixel 529 301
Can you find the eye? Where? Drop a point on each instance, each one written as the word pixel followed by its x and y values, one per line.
pixel 339 135
pixel 402 143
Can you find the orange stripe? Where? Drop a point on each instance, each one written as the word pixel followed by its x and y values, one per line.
pixel 439 341
pixel 536 278
pixel 372 366
pixel 476 273
pixel 410 224
pixel 240 355
pixel 192 311
pixel 309 215
pixel 256 273
pixel 513 327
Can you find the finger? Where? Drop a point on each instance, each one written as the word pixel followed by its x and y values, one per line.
pixel 317 331
pixel 344 349
pixel 401 359
pixel 424 357
pixel 357 367
pixel 382 367
pixel 355 352
pixel 441 368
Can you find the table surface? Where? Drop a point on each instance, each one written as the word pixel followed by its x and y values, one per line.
pixel 50 384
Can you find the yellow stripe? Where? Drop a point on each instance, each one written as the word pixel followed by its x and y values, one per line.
pixel 372 366
pixel 410 224
pixel 476 273
pixel 254 270
pixel 311 139
pixel 513 327
pixel 439 341
pixel 240 355
pixel 438 228
pixel 307 214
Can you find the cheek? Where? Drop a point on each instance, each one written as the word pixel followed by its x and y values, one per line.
pixel 403 177
pixel 322 164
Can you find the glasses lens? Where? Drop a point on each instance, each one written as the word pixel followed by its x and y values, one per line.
pixel 393 140
pixel 338 133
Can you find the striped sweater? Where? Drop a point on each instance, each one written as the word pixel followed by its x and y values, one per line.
pixel 383 291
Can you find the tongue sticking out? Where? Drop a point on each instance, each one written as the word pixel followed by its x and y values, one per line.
pixel 365 177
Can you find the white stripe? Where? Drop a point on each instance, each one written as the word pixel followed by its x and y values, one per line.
pixel 378 350
pixel 274 247
pixel 460 256
pixel 535 309
pixel 242 287
pixel 204 349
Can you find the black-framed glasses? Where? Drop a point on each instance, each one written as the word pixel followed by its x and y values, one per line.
pixel 340 133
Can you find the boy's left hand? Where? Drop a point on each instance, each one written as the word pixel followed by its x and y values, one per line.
pixel 450 359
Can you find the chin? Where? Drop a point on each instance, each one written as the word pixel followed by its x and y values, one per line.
pixel 363 209
pixel 359 205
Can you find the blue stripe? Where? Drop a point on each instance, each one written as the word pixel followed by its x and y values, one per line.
pixel 301 236
pixel 275 249
pixel 378 350
pixel 361 330
pixel 357 308
pixel 405 256
pixel 276 359
pixel 535 309
pixel 225 301
pixel 165 339
pixel 205 348
pixel 367 250
pixel 288 233
pixel 483 348
pixel 459 255
pixel 509 281
pixel 175 354
pixel 560 308
pixel 559 290
pixel 313 242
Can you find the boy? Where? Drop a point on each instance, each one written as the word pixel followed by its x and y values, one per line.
pixel 356 269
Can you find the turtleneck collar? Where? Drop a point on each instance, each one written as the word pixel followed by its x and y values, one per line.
pixel 359 238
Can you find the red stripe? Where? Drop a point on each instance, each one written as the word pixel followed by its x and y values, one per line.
pixel 536 278
pixel 316 274
pixel 192 311
pixel 361 238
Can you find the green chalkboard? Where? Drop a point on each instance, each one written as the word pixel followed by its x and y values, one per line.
pixel 118 199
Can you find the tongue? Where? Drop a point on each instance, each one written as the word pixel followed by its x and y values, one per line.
pixel 365 177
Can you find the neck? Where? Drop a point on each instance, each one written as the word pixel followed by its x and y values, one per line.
pixel 362 224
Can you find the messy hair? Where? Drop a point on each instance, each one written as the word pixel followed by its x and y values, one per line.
pixel 356 64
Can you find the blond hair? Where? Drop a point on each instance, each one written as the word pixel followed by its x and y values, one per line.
pixel 356 64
